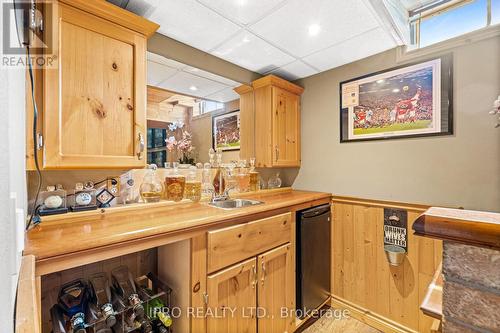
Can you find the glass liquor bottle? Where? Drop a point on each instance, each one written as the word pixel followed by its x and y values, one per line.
pixel 174 184
pixel 243 177
pixel 151 188
pixel 219 181
pixel 207 188
pixel 274 182
pixel 192 189
pixel 254 176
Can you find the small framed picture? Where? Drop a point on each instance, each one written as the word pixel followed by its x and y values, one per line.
pixel 412 100
pixel 226 131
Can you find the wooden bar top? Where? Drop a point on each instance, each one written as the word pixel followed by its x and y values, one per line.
pixel 59 238
pixel 463 226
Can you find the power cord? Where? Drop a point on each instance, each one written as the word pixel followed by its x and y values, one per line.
pixel 34 217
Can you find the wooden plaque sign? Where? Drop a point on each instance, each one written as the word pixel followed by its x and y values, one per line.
pixel 395 227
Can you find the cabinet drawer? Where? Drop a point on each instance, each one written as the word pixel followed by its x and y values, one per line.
pixel 233 244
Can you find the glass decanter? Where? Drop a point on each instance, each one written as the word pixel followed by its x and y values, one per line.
pixel 274 182
pixel 175 184
pixel 151 188
pixel 207 188
pixel 192 189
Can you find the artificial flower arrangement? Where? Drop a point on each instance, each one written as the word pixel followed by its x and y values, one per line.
pixel 183 146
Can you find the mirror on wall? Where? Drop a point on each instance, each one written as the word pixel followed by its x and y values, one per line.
pixel 189 111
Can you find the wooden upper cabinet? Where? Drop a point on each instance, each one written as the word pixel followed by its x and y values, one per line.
pixel 286 128
pixel 270 122
pixel 94 100
pixel 232 299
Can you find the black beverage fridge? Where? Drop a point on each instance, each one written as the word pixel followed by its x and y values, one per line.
pixel 313 258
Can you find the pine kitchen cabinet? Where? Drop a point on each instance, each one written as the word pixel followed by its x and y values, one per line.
pixel 213 259
pixel 253 291
pixel 93 101
pixel 270 122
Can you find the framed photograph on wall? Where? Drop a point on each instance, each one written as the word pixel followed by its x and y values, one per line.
pixel 226 131
pixel 412 100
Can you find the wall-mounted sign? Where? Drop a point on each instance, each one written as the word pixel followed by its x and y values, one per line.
pixel 395 227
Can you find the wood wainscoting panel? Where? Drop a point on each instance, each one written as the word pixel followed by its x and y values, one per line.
pixel 363 277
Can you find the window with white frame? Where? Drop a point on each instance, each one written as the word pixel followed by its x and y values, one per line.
pixel 440 20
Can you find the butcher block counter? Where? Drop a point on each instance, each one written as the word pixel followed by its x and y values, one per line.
pixel 65 241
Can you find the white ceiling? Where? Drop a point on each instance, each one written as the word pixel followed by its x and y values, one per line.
pixel 177 77
pixel 272 36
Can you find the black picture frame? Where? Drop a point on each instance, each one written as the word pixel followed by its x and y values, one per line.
pixel 214 119
pixel 447 122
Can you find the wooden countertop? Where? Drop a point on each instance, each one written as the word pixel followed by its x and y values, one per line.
pixel 432 305
pixel 70 239
pixel 464 226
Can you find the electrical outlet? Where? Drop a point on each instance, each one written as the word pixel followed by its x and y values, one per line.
pixel 113 185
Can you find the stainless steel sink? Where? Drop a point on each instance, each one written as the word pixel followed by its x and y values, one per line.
pixel 234 203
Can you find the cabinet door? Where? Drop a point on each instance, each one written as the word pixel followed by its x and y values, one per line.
pixel 286 128
pixel 276 291
pixel 232 299
pixel 94 98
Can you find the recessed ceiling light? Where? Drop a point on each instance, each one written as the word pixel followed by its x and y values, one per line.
pixel 241 2
pixel 193 88
pixel 395 90
pixel 314 29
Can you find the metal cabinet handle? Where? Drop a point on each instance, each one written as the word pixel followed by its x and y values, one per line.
pixel 141 146
pixel 277 152
pixel 263 272
pixel 254 277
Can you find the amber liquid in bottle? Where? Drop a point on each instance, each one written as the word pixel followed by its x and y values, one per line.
pixel 254 180
pixel 219 183
pixel 151 196
pixel 192 191
pixel 174 187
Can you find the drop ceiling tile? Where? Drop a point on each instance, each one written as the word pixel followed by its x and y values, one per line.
pixel 362 46
pixel 288 26
pixel 294 71
pixel 242 11
pixel 251 52
pixel 159 72
pixel 192 23
pixel 224 96
pixel 182 81
pixel 165 61
pixel 211 76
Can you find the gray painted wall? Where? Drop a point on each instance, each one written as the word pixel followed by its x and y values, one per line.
pixel 459 170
